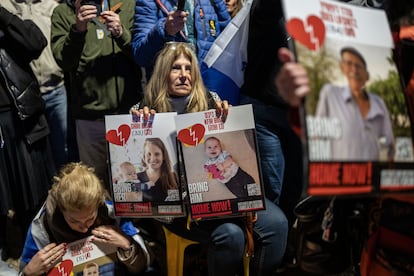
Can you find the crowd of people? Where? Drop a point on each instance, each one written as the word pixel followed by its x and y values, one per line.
pixel 78 62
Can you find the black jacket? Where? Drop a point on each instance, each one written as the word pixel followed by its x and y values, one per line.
pixel 266 35
pixel 20 42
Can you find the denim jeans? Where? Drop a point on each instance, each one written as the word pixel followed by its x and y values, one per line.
pixel 281 155
pixel 272 160
pixel 227 244
pixel 270 236
pixel 56 114
pixel 226 241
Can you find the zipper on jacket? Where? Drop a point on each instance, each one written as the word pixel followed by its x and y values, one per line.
pixel 1 139
pixel 9 89
pixel 202 22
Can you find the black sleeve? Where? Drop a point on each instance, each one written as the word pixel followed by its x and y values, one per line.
pixel 266 35
pixel 21 37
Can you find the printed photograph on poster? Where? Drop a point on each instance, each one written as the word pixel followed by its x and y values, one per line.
pixel 143 165
pixel 220 162
pixel 83 257
pixel 356 116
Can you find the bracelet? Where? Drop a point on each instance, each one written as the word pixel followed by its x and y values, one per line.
pixel 126 255
pixel 134 107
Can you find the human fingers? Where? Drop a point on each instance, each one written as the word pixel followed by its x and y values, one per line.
pixel 84 13
pixel 56 254
pixel 111 17
pixel 103 232
pixel 87 12
pixel 110 235
pixel 47 257
pixel 285 55
pixel 115 29
pixel 300 82
pixel 292 80
pixel 175 22
pixel 77 4
pixel 145 111
pixel 148 116
pixel 222 109
pixel 134 111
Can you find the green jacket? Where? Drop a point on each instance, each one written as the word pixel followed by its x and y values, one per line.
pixel 103 78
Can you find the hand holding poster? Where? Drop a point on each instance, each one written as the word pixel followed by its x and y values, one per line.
pixel 83 257
pixel 358 132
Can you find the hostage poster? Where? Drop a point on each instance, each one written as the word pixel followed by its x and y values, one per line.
pixel 83 257
pixel 143 165
pixel 220 162
pixel 356 129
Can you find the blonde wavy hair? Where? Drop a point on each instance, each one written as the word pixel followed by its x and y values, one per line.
pixel 76 188
pixel 156 94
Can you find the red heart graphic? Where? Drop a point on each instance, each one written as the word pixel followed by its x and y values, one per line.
pixel 311 35
pixel 193 135
pixel 62 269
pixel 119 137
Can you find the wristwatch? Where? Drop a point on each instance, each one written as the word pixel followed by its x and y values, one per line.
pixel 126 254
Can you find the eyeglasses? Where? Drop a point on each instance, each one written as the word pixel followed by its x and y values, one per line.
pixel 349 63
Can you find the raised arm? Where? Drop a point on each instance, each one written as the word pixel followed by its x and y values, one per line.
pixel 149 33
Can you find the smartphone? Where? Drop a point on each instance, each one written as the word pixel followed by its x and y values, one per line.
pixel 97 3
pixel 180 5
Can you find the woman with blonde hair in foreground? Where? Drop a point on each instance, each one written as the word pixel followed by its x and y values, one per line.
pixel 77 207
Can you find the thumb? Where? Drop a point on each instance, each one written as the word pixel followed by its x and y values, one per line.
pixel 285 55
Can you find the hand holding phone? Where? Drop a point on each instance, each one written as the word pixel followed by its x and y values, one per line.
pixel 96 3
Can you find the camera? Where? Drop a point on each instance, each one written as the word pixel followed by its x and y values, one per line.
pixel 96 3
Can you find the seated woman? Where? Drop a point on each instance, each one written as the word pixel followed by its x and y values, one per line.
pixel 77 207
pixel 176 85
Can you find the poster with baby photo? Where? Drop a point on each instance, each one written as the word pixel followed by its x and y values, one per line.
pixel 220 163
pixel 83 257
pixel 356 123
pixel 143 165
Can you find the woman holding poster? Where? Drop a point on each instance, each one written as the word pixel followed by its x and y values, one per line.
pixel 76 208
pixel 176 85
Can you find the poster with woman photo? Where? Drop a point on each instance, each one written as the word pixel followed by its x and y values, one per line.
pixel 356 123
pixel 220 163
pixel 143 165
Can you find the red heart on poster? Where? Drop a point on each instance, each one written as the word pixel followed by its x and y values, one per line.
pixel 119 137
pixel 193 135
pixel 311 34
pixel 63 269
